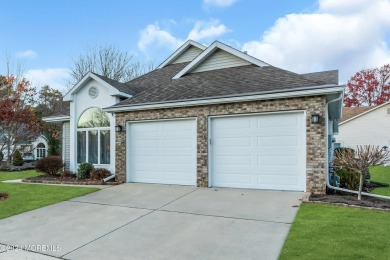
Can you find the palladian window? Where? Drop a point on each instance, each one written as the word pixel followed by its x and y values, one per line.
pixel 93 137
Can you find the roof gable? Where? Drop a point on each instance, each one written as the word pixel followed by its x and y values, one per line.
pixel 115 88
pixel 218 56
pixel 187 52
pixel 359 111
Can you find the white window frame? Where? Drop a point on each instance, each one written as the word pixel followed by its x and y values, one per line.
pixel 87 142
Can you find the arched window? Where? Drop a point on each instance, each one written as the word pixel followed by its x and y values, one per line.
pixel 93 137
pixel 41 151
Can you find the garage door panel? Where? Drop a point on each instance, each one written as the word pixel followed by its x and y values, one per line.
pixel 233 160
pixel 291 140
pixel 234 123
pixel 231 179
pixel 178 142
pixel 233 142
pixel 145 143
pixel 278 160
pixel 281 181
pixel 164 153
pixel 269 151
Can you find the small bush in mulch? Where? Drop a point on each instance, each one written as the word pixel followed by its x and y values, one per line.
pixel 351 200
pixel 51 165
pixel 67 174
pixel 84 171
pixel 3 196
pixel 99 173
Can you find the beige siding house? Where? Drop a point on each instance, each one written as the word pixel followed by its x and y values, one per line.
pixel 365 126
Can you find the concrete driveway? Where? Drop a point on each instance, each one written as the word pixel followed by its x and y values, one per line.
pixel 147 221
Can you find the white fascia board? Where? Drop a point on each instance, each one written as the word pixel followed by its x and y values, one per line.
pixel 362 114
pixel 113 91
pixel 181 50
pixel 55 119
pixel 210 50
pixel 222 100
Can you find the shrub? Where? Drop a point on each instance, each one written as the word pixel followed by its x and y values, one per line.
pixel 17 159
pixel 348 179
pixel 99 173
pixel 67 174
pixel 1 156
pixel 51 165
pixel 84 170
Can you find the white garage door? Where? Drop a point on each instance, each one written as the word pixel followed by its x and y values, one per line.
pixel 260 152
pixel 162 152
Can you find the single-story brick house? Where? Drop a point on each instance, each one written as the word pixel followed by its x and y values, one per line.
pixel 207 116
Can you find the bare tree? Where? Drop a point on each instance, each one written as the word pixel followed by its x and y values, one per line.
pixel 110 62
pixel 359 160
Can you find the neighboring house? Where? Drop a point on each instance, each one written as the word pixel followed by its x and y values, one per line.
pixel 207 116
pixel 364 126
pixel 37 147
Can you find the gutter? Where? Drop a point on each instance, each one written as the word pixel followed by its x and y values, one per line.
pixel 328 185
pixel 320 90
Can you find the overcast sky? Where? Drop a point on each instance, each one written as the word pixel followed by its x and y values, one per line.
pixel 301 36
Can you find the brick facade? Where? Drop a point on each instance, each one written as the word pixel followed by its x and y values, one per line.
pixel 315 133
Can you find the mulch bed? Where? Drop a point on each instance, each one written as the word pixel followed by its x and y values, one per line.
pixel 74 181
pixel 351 200
pixel 3 196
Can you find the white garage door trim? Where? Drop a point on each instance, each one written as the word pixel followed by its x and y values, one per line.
pixel 302 149
pixel 165 173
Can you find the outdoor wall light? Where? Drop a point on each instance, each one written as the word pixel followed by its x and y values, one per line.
pixel 315 119
pixel 118 128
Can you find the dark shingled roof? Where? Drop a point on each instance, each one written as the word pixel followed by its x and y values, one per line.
pixel 122 87
pixel 349 112
pixel 330 76
pixel 158 86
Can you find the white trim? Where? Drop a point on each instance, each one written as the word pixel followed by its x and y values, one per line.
pixel 366 112
pixel 127 153
pixel 299 93
pixel 304 136
pixel 56 119
pixel 112 90
pixel 210 50
pixel 180 51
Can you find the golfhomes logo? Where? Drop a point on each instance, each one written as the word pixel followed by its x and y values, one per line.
pixel 40 248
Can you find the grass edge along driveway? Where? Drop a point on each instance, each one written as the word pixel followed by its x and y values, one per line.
pixel 26 197
pixel 322 231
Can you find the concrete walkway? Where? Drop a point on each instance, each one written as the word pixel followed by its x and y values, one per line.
pixel 146 221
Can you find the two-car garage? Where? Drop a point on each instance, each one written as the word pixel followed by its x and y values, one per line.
pixel 262 151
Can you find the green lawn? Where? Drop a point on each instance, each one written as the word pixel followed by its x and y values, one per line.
pixel 18 175
pixel 334 232
pixel 381 174
pixel 25 197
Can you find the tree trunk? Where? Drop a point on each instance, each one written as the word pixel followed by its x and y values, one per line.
pixel 361 186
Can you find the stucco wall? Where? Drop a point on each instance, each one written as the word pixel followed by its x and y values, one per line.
pixel 315 133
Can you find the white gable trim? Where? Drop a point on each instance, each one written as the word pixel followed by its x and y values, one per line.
pixel 180 51
pixel 210 50
pixel 362 114
pixel 113 91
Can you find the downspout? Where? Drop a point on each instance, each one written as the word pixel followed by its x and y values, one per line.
pixel 108 178
pixel 328 185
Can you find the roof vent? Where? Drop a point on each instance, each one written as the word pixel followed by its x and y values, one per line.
pixel 93 92
pixel 246 52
